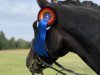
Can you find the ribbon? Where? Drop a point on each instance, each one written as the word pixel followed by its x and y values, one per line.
pixel 39 44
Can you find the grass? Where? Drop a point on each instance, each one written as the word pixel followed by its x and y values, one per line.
pixel 12 62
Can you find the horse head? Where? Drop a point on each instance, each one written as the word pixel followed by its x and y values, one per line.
pixel 76 29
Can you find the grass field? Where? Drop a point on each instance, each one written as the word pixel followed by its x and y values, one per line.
pixel 12 62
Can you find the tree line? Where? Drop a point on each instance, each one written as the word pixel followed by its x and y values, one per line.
pixel 12 43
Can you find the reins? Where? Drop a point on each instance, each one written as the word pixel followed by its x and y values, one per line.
pixel 60 71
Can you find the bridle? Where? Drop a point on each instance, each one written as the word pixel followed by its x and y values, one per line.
pixel 39 63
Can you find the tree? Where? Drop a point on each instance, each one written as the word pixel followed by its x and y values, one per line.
pixel 12 43
pixel 22 44
pixel 2 40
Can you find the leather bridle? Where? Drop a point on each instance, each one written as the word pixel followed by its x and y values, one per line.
pixel 39 63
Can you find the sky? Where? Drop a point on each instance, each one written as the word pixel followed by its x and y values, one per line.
pixel 17 17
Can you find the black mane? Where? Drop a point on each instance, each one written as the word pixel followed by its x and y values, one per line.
pixel 88 4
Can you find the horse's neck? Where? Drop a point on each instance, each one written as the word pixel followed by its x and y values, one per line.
pixel 83 25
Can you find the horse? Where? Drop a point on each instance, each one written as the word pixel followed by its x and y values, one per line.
pixel 77 29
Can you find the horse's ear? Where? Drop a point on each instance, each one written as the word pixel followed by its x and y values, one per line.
pixel 42 3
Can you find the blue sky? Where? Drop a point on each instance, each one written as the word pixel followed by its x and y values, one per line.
pixel 17 16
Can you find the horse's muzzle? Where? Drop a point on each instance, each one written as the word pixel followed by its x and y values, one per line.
pixel 33 63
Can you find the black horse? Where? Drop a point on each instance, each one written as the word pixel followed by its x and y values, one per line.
pixel 77 30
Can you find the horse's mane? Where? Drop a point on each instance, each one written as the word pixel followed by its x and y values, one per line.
pixel 88 4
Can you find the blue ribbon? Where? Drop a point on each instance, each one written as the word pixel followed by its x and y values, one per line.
pixel 39 44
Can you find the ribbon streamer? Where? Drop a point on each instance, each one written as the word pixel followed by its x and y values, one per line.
pixel 39 45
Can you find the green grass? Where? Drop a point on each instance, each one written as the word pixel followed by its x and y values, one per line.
pixel 12 62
